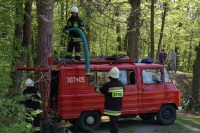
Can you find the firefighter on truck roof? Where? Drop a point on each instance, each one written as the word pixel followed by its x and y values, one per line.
pixel 113 93
pixel 74 38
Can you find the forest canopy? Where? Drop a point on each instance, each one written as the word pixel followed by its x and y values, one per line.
pixel 30 33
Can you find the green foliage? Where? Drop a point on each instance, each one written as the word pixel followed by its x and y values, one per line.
pixel 181 31
pixel 102 22
pixel 14 114
pixel 6 36
pixel 196 108
pixel 5 59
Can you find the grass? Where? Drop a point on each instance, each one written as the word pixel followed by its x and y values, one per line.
pixel 185 123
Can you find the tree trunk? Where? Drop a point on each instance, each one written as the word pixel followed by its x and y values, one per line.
pixel 67 6
pixel 62 38
pixel 196 77
pixel 86 23
pixel 152 29
pixel 126 42
pixel 87 28
pixel 23 37
pixel 26 31
pixel 133 29
pixel 117 14
pixel 44 48
pixel 16 75
pixel 190 53
pixel 162 28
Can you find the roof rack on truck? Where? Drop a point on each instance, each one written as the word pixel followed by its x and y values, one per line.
pixel 95 60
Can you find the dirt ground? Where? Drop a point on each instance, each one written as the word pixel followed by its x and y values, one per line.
pixel 182 82
pixel 136 125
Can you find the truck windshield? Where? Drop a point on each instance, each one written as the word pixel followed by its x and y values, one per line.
pixel 167 76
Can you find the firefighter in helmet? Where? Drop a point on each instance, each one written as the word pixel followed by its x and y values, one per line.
pixel 74 38
pixel 32 96
pixel 113 94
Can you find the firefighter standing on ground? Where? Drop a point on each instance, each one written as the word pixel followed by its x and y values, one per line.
pixel 113 91
pixel 74 38
pixel 32 100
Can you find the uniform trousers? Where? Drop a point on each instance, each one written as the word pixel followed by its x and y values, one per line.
pixel 70 48
pixel 113 124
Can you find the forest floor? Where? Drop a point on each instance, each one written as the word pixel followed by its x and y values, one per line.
pixel 184 122
pixel 183 82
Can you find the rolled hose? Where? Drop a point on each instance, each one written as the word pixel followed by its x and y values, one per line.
pixel 85 45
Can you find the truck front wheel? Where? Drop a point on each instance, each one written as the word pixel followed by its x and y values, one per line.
pixel 90 120
pixel 166 115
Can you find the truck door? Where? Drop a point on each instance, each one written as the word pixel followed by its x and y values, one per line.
pixel 153 93
pixel 130 99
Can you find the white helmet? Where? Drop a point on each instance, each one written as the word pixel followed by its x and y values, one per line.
pixel 29 82
pixel 114 73
pixel 74 9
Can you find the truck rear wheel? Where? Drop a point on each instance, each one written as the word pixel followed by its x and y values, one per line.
pixel 90 120
pixel 166 115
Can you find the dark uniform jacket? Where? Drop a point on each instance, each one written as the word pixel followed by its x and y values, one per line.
pixel 31 101
pixel 113 91
pixel 74 22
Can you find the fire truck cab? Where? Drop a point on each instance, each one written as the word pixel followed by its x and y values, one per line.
pixel 149 91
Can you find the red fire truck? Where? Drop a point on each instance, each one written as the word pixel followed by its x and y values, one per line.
pixel 149 91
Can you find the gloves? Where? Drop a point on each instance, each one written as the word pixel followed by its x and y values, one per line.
pixel 65 32
pixel 96 87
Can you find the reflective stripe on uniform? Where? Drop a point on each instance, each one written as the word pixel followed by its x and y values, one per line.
pixel 69 53
pixel 69 24
pixel 76 39
pixel 111 89
pixel 75 24
pixel 112 113
pixel 116 91
pixel 77 54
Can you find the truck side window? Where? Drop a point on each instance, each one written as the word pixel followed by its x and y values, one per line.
pixel 98 77
pixel 123 76
pixel 102 77
pixel 152 76
pixel 92 79
pixel 132 77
